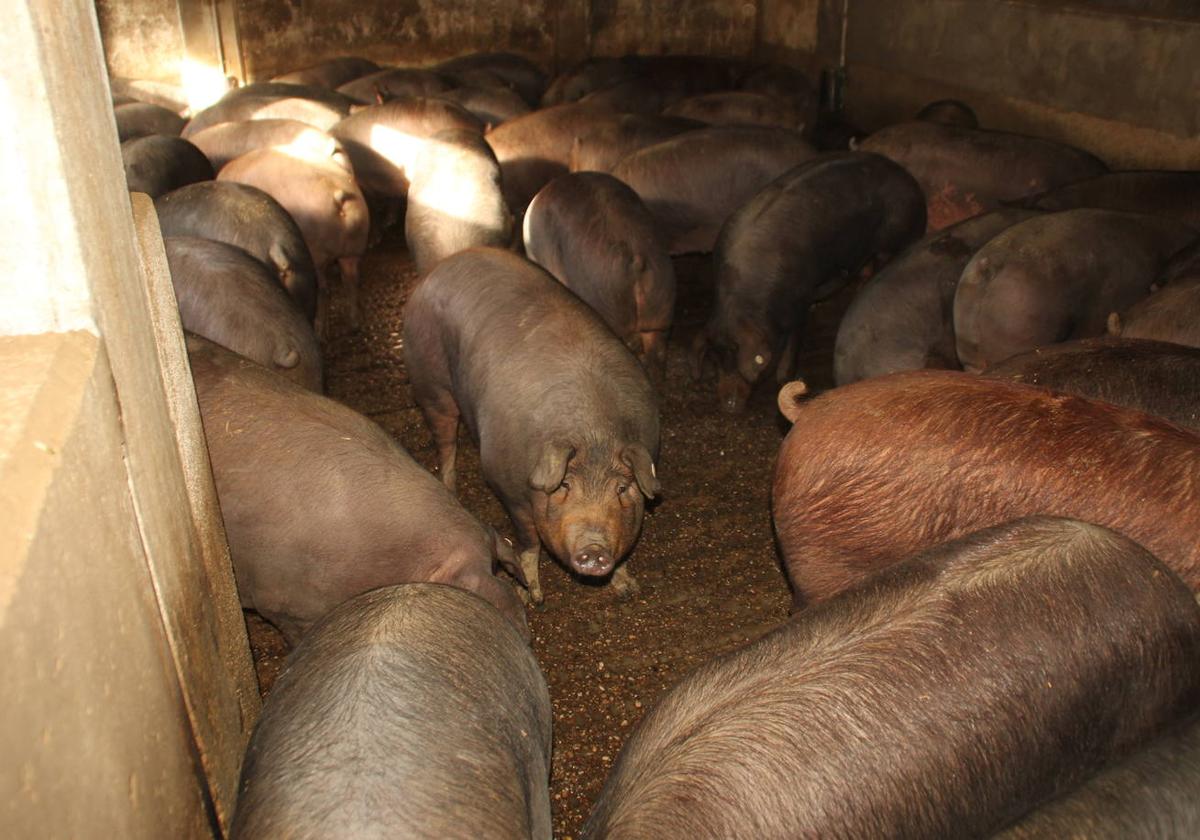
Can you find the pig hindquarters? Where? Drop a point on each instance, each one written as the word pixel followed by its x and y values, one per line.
pixel 411 711
pixel 320 504
pixel 565 417
pixel 945 698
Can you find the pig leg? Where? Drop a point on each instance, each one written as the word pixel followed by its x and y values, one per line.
pixel 442 414
pixel 786 367
pixel 654 355
pixel 529 551
pixel 349 269
pixel 623 583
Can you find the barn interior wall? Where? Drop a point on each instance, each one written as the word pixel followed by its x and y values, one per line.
pixel 1119 79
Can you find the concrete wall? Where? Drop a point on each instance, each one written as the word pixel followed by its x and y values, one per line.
pixel 1119 78
pixel 127 686
pixel 142 39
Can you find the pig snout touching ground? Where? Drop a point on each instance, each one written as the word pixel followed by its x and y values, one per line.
pixel 873 472
pixel 565 417
pixel 232 299
pixel 1056 277
pixel 594 235
pixel 455 200
pixel 320 504
pixel 944 698
pixel 968 171
pixel 1160 193
pixel 949 112
pixel 325 202
pixel 1152 376
pixel 777 254
pixel 903 317
pixel 410 711
pixel 1149 796
pixel 222 143
pixel 693 182
pixel 159 163
pixel 248 218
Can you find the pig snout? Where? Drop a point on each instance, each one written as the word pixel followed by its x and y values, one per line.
pixel 732 392
pixel 594 559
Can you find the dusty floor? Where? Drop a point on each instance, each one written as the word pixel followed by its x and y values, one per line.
pixel 710 579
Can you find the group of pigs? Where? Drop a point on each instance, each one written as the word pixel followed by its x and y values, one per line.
pixel 994 624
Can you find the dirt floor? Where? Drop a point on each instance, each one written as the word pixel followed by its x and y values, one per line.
pixel 710 579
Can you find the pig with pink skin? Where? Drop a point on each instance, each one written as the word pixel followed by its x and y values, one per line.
pixel 320 504
pixel 565 417
pixel 596 237
pixel 226 141
pixel 325 202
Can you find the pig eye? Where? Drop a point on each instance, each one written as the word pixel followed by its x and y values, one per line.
pixel 565 487
pixel 623 489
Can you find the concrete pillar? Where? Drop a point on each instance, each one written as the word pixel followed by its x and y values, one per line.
pixel 128 689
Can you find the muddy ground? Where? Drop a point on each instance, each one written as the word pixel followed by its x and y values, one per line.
pixel 710 578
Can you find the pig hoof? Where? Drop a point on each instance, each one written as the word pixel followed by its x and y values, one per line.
pixel 624 585
pixel 529 566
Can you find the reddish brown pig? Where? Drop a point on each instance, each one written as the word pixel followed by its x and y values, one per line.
pixel 943 699
pixel 386 85
pixel 876 471
pixel 601 146
pixel 739 108
pixel 967 171
pixel 331 74
pixel 325 202
pixel 1171 313
pixel 1172 194
pixel 320 504
pixel 565 417
pixel 692 183
pixel 596 237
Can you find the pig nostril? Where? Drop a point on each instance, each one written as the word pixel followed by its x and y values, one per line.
pixel 593 559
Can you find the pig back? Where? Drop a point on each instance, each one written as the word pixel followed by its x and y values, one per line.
pixel 420 676
pixel 944 698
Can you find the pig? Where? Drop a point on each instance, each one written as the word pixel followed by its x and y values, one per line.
pixel 285 90
pixel 1149 796
pixel 1171 313
pixel 320 504
pixel 410 711
pixel 601 146
pixel 330 74
pixel 638 95
pixel 590 75
pixel 141 119
pixel 535 149
pixel 949 112
pixel 564 416
pixel 594 235
pixel 968 171
pixel 384 85
pixel 875 471
pixel 247 218
pixel 491 106
pixel 226 141
pixel 903 317
pixel 158 163
pixel 383 141
pixel 325 202
pixel 172 97
pixel 782 81
pixel 1172 194
pixel 1057 277
pixel 793 242
pixel 455 199
pixel 944 698
pixel 693 182
pixel 525 77
pixel 739 108
pixel 1152 376
pixel 232 299
pixel 318 114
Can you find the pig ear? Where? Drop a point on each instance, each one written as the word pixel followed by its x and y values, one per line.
pixel 505 556
pixel 278 258
pixel 637 458
pixel 790 398
pixel 551 467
